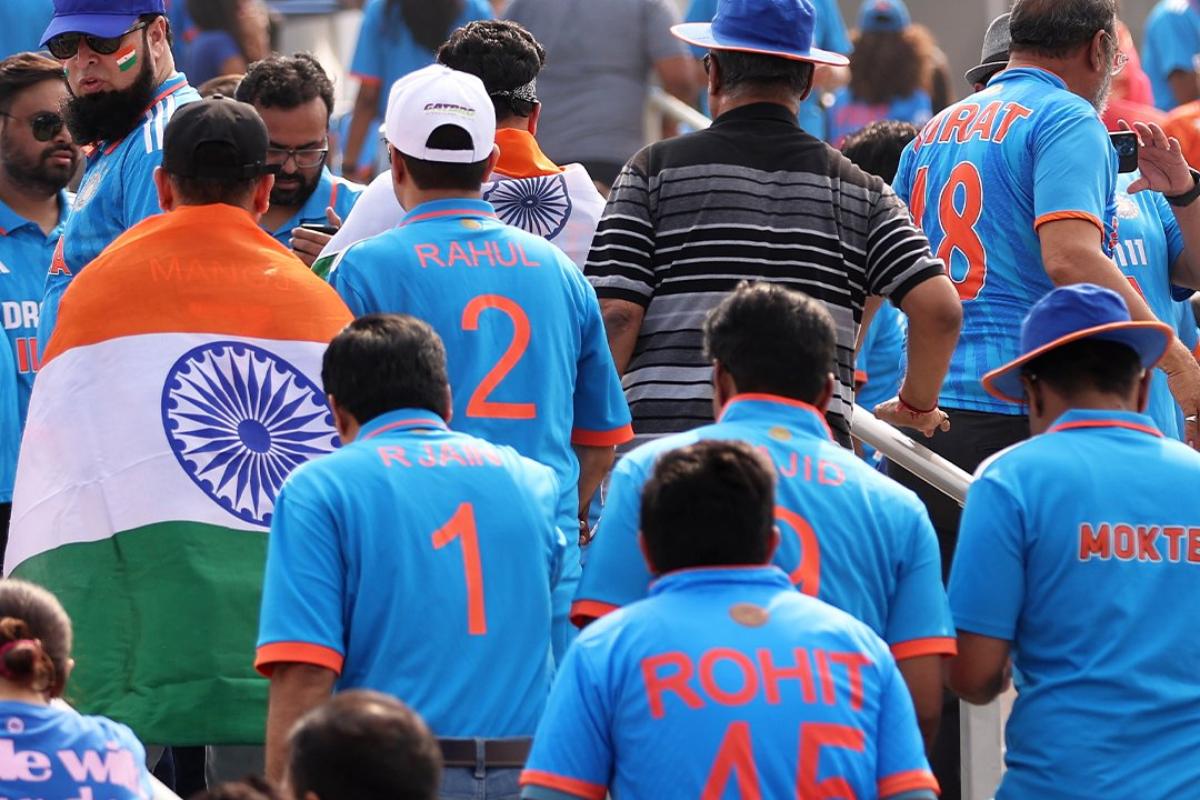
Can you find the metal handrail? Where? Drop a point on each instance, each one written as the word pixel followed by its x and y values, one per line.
pixel 675 109
pixel 939 473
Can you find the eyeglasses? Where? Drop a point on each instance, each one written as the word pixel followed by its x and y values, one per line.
pixel 305 159
pixel 1119 59
pixel 66 45
pixel 707 62
pixel 45 126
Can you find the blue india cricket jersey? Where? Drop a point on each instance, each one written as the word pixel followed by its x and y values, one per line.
pixel 726 683
pixel 850 536
pixel 1081 547
pixel 117 193
pixel 1150 242
pixel 419 562
pixel 980 179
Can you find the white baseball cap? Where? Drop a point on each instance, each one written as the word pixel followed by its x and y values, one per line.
pixel 425 100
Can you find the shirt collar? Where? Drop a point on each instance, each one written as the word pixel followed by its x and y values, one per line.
pixel 685 579
pixel 165 89
pixel 314 207
pixel 521 157
pixel 11 221
pixel 454 207
pixel 1082 419
pixel 773 408
pixel 1035 73
pixel 402 419
pixel 757 111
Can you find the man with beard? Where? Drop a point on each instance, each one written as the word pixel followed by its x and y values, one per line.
pixel 294 96
pixel 37 159
pixel 124 90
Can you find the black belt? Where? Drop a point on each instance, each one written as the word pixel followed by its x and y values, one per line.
pixel 496 753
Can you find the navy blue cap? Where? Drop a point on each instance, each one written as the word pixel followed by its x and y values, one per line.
pixel 781 28
pixel 1069 314
pixel 883 16
pixel 106 18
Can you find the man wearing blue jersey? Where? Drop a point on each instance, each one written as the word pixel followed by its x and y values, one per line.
pixel 124 90
pixel 37 160
pixel 529 361
pixel 294 97
pixel 725 676
pixel 851 536
pixel 1077 557
pixel 1015 188
pixel 415 561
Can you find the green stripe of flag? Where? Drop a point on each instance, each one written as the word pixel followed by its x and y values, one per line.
pixel 165 621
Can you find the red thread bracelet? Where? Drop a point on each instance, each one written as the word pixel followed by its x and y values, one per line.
pixel 904 404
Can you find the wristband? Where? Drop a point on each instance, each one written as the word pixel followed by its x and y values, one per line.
pixel 906 406
pixel 1188 197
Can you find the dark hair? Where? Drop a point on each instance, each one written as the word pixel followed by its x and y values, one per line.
pixel 500 53
pixel 1055 28
pixel 209 191
pixel 429 21
pixel 444 176
pixel 214 15
pixel 1096 364
pixel 286 82
pixel 251 787
pixel 35 619
pixel 19 72
pixel 877 148
pixel 739 70
pixel 708 505
pixel 363 744
pixel 773 340
pixel 383 362
pixel 222 84
pixel 885 65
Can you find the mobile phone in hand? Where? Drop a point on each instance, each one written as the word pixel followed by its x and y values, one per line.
pixel 1126 145
pixel 328 230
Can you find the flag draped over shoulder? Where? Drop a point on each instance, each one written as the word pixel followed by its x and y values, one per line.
pixel 181 386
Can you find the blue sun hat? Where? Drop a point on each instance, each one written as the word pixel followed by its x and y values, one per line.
pixel 1069 314
pixel 104 18
pixel 781 28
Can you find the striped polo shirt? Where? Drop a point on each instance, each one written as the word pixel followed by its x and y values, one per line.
pixel 754 198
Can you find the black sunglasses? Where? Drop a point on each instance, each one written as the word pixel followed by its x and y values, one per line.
pixel 66 45
pixel 45 126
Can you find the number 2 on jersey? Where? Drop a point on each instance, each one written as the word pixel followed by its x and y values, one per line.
pixel 958 226
pixel 462 527
pixel 479 405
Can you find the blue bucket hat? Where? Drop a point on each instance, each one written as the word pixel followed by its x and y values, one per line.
pixel 781 28
pixel 883 16
pixel 1069 314
pixel 105 18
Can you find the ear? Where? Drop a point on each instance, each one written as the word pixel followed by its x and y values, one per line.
pixel 774 544
pixel 1143 394
pixel 156 35
pixel 493 160
pixel 343 421
pixel 1096 52
pixel 262 194
pixel 166 192
pixel 1033 396
pixel 826 395
pixel 715 82
pixel 724 389
pixel 398 171
pixel 534 117
pixel 646 553
pixel 448 405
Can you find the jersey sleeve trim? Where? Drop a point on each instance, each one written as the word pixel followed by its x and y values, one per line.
pixel 269 655
pixel 374 80
pixel 910 781
pixel 585 611
pixel 1058 216
pixel 929 646
pixel 611 438
pixel 572 786
pixel 861 377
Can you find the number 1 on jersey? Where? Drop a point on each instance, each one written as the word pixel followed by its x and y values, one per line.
pixel 462 527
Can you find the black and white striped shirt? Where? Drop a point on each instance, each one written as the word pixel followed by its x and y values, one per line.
pixel 752 198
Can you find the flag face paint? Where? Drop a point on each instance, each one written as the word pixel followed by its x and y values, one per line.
pixel 127 58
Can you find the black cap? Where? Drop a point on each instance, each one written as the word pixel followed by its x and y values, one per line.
pixel 217 120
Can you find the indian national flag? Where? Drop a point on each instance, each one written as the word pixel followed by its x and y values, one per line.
pixel 181 386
